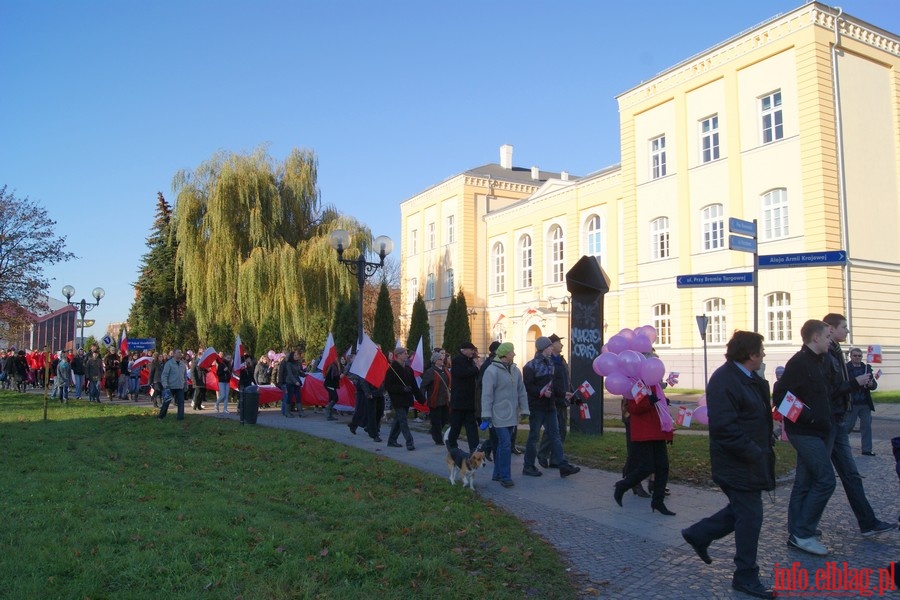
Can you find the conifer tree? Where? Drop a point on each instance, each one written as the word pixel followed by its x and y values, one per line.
pixel 463 317
pixel 418 328
pixel 452 338
pixel 383 331
pixel 344 326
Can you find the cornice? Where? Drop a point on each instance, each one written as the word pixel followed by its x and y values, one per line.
pixel 500 184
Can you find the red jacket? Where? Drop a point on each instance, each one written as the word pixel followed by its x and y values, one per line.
pixel 645 422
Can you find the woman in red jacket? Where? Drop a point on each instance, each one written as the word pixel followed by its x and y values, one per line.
pixel 648 442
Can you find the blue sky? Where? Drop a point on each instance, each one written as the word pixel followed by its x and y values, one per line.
pixel 103 102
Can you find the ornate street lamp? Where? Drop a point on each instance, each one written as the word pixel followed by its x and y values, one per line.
pixel 340 241
pixel 83 306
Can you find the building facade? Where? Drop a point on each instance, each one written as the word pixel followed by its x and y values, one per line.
pixel 792 125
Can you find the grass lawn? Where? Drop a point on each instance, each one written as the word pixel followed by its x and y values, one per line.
pixel 105 501
pixel 886 397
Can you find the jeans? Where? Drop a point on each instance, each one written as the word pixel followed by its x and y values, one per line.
pixel 813 485
pixel 547 420
pixel 842 459
pixel 544 446
pixel 223 397
pixel 503 454
pixel 178 398
pixel 399 426
pixel 79 385
pixel 864 414
pixel 293 395
pixel 94 390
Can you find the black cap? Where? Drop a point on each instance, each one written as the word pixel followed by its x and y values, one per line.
pixel 467 346
pixel 493 347
pixel 555 338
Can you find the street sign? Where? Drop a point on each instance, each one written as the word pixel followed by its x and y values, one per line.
pixel 803 259
pixel 702 324
pixel 713 279
pixel 742 227
pixel 744 244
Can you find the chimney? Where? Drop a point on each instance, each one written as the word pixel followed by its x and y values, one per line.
pixel 564 175
pixel 506 156
pixel 535 173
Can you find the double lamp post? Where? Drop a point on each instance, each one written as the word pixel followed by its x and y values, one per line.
pixel 83 306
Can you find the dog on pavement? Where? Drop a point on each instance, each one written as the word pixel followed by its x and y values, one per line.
pixel 464 465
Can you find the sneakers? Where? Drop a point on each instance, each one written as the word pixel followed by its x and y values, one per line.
pixel 868 454
pixel 880 527
pixel 809 545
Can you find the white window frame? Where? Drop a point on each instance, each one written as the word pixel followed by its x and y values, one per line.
pixel 451 229
pixel 432 236
pixel 771 118
pixel 556 254
pixel 658 157
pixel 526 260
pixel 412 288
pixel 709 139
pixel 662 320
pixel 778 317
pixel 659 238
pixel 714 309
pixel 712 221
pixel 593 235
pixel 448 283
pixel 775 213
pixel 413 242
pixel 498 268
pixel 429 287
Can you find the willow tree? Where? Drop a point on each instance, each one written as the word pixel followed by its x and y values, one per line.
pixel 253 243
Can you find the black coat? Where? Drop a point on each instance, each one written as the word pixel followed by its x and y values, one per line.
pixel 464 372
pixel 804 376
pixel 740 430
pixel 400 384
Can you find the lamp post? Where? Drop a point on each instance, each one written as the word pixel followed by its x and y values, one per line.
pixel 340 240
pixel 83 306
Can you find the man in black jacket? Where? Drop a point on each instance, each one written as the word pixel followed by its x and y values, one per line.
pixel 400 384
pixel 742 459
pixel 464 377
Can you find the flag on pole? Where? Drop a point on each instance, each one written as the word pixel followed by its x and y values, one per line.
pixel 237 365
pixel 329 354
pixel 208 358
pixel 500 318
pixel 370 362
pixel 123 342
pixel 418 360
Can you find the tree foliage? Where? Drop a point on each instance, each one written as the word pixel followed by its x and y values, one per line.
pixel 383 331
pixel 253 244
pixel 345 324
pixel 269 337
pixel 418 327
pixel 28 244
pixel 456 325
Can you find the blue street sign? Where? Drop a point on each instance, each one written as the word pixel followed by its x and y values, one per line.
pixel 142 343
pixel 803 259
pixel 742 227
pixel 744 244
pixel 714 279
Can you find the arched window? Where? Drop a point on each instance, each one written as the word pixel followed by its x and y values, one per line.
pixel 775 214
pixel 429 287
pixel 593 235
pixel 557 255
pixel 714 309
pixel 713 224
pixel 498 268
pixel 525 257
pixel 778 317
pixel 662 320
pixel 659 238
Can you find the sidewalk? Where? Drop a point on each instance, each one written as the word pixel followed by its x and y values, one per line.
pixel 629 552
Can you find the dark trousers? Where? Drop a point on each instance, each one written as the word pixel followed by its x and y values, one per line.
pixel 440 417
pixel 460 418
pixel 649 457
pixel 744 516
pixel 199 396
pixel 401 425
pixel 360 412
pixel 374 415
pixel 544 445
pixel 845 465
pixel 178 398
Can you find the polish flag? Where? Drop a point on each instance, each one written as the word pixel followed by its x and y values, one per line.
pixel 329 354
pixel 237 364
pixel 208 358
pixel 418 361
pixel 370 362
pixel 123 342
pixel 500 318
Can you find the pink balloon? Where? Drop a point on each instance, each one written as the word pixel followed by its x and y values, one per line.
pixel 641 343
pixel 606 364
pixel 617 344
pixel 626 333
pixel 650 332
pixel 652 370
pixel 617 384
pixel 604 349
pixel 630 363
pixel 628 395
pixel 701 401
pixel 701 416
pixel 271 355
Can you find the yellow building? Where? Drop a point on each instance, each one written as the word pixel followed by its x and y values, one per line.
pixel 794 124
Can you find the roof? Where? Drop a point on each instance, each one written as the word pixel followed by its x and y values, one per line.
pixel 516 174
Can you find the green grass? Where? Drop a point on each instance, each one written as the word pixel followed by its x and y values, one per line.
pixel 886 397
pixel 107 502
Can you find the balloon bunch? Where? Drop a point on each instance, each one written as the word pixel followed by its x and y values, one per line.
pixel 623 364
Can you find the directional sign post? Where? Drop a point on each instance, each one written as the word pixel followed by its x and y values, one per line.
pixel 744 244
pixel 803 259
pixel 702 324
pixel 742 227
pixel 714 280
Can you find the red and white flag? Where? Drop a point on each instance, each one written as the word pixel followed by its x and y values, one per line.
pixel 123 342
pixel 208 358
pixel 684 416
pixel 791 407
pixel 237 364
pixel 500 318
pixel 586 390
pixel 329 354
pixel 418 360
pixel 370 362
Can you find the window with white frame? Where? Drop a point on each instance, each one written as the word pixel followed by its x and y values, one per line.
pixel 451 229
pixel 432 237
pixel 778 317
pixel 429 287
pixel 498 268
pixel 771 119
pixel 593 235
pixel 662 320
pixel 557 255
pixel 448 283
pixel 659 238
pixel 413 242
pixel 709 139
pixel 658 157
pixel 412 289
pixel 712 221
pixel 526 269
pixel 775 214
pixel 714 309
